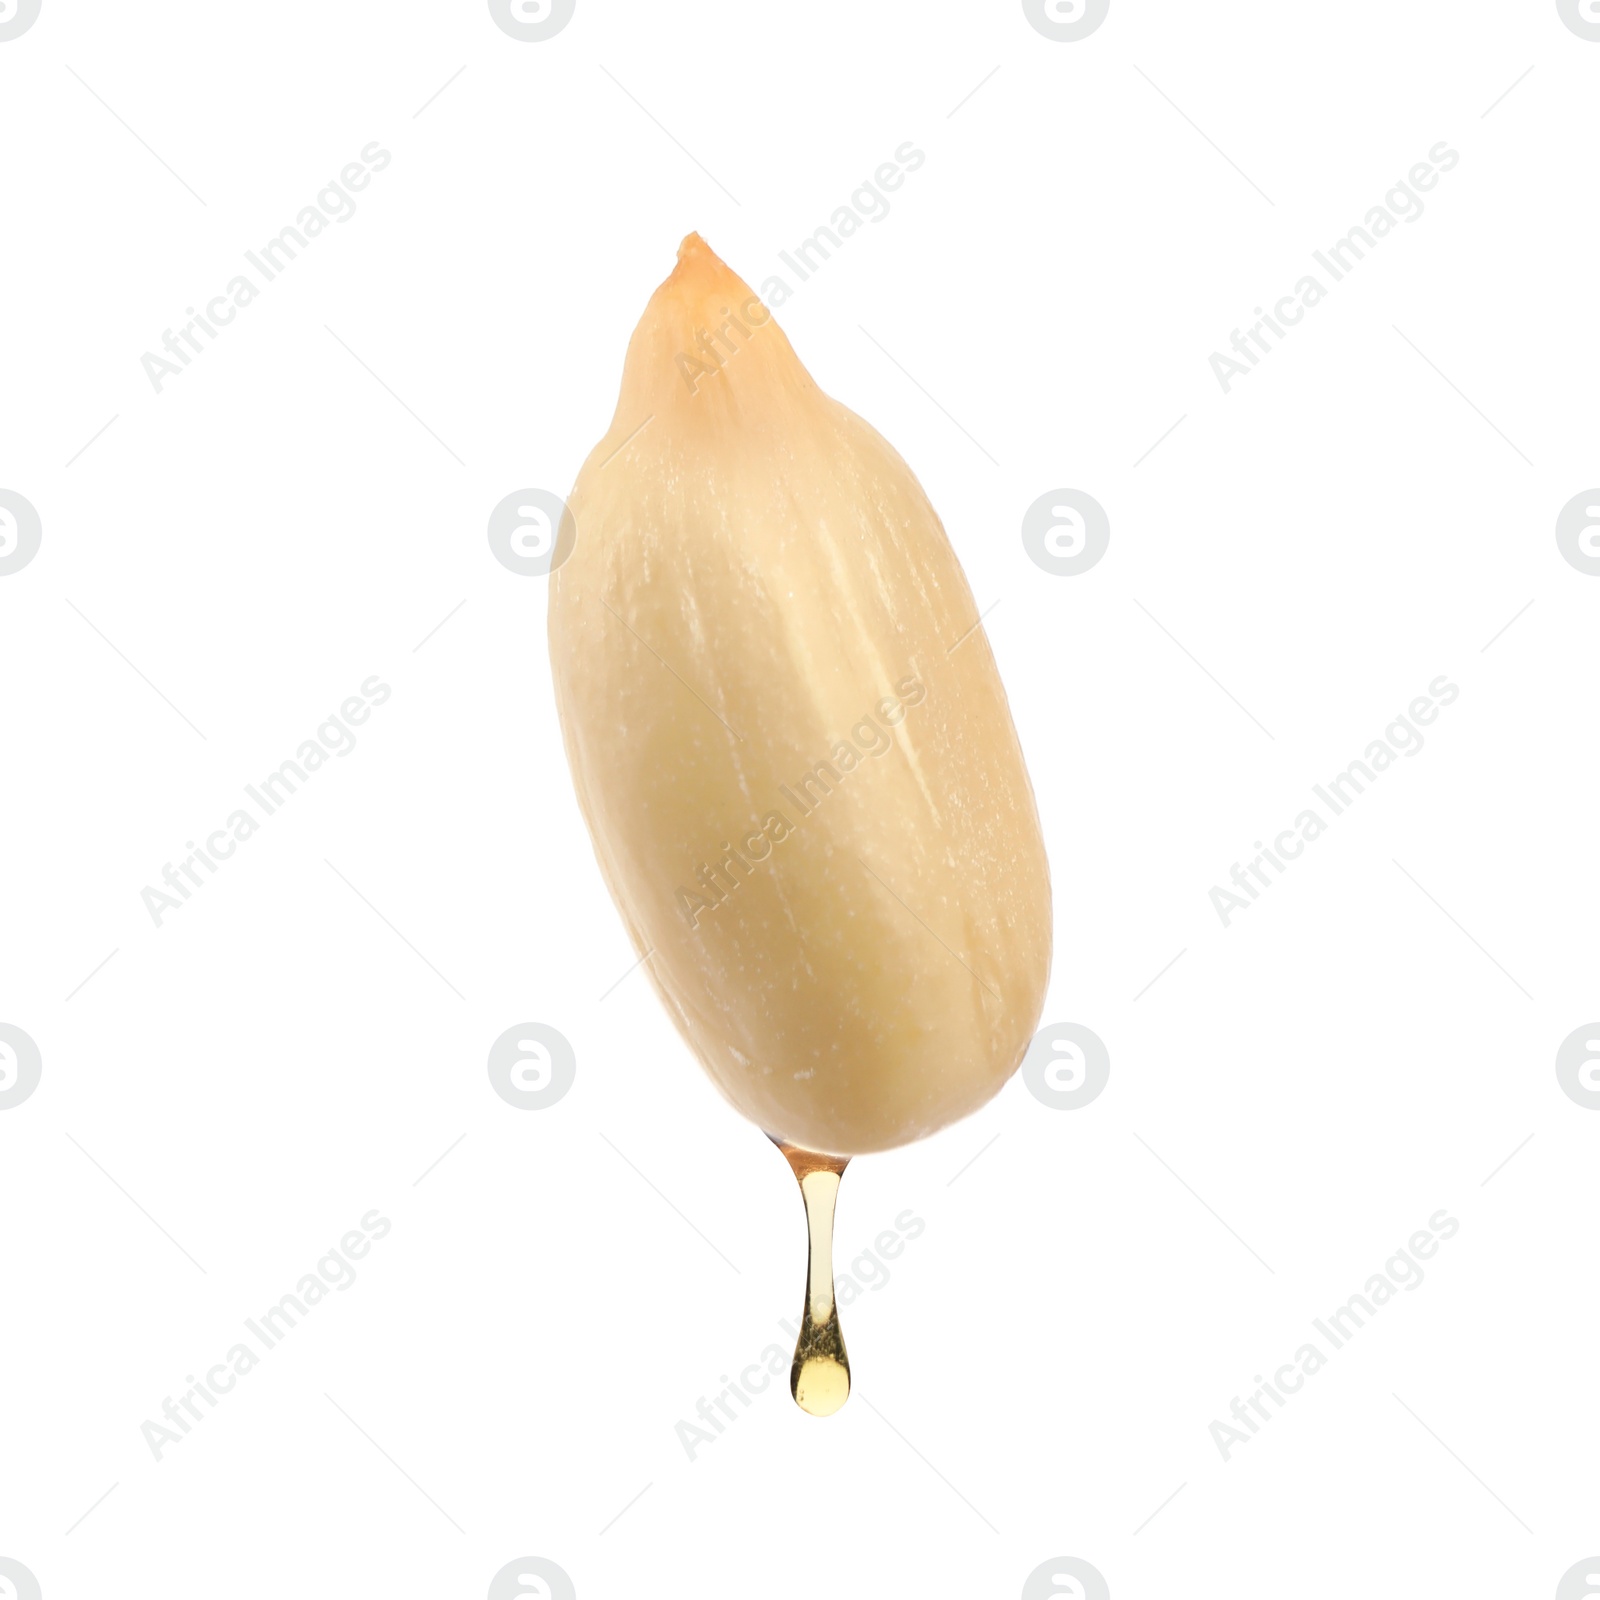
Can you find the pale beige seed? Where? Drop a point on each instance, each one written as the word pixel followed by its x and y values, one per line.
pixel 807 805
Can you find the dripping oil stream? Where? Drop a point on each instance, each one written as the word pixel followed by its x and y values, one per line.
pixel 819 1379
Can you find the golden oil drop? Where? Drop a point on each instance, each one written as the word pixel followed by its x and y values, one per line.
pixel 819 1378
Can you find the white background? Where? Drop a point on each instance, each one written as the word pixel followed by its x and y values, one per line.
pixel 1366 1045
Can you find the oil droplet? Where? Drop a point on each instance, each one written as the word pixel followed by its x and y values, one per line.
pixel 819 1379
